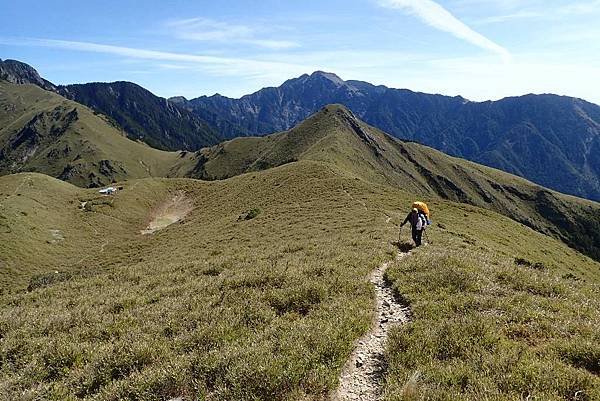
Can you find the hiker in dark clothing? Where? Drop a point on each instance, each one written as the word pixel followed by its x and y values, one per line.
pixel 417 221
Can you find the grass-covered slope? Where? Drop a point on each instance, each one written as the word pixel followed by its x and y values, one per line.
pixel 336 137
pixel 496 314
pixel 258 293
pixel 220 304
pixel 43 132
pixel 258 288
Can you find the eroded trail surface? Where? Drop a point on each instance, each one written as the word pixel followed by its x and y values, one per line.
pixel 169 212
pixel 362 377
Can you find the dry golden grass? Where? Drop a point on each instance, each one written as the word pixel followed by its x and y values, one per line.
pixel 221 307
pixel 499 313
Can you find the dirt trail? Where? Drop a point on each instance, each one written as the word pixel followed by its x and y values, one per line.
pixel 169 212
pixel 362 376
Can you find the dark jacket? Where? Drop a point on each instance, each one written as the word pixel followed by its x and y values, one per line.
pixel 418 221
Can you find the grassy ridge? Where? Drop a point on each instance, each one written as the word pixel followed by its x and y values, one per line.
pixel 497 314
pixel 41 131
pixel 224 307
pixel 265 308
pixel 334 136
pixel 46 133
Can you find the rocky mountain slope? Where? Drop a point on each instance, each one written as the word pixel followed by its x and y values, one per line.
pixel 17 72
pixel 143 116
pixel 551 140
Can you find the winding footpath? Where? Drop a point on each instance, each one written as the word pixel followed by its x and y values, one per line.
pixel 362 376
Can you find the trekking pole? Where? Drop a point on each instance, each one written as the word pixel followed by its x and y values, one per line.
pixel 427 238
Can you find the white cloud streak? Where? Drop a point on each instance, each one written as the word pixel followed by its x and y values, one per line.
pixel 204 29
pixel 544 12
pixel 438 17
pixel 221 66
pixel 508 17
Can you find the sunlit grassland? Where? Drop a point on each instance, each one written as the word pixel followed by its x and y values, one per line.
pixel 221 307
pixel 498 313
pixel 214 306
pixel 34 137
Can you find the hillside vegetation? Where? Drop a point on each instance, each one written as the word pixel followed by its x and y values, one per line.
pixel 43 132
pixel 260 291
pixel 253 285
pixel 335 136
pixel 486 325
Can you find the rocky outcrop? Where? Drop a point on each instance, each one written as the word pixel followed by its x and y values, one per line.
pixel 17 72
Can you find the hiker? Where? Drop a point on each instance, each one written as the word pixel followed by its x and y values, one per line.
pixel 418 222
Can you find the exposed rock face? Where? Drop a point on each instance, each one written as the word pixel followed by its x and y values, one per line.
pixel 178 100
pixel 41 131
pixel 551 140
pixel 17 72
pixel 161 123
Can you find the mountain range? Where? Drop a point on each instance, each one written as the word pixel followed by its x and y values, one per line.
pixel 45 132
pixel 245 270
pixel 136 111
pixel 144 116
pixel 551 140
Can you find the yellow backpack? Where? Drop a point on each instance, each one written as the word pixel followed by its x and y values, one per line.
pixel 423 208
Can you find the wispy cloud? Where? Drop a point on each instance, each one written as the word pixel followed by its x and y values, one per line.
pixel 438 17
pixel 212 64
pixel 508 17
pixel 581 7
pixel 204 29
pixel 543 12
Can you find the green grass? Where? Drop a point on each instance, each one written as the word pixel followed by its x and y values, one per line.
pixel 260 291
pixel 265 308
pixel 92 150
pixel 498 313
pixel 223 308
pixel 335 137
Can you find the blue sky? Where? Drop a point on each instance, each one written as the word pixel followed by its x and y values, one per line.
pixel 480 49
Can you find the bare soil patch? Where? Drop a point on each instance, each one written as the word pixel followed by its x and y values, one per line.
pixel 169 212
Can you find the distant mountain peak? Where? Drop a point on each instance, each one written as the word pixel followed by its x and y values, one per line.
pixel 18 72
pixel 330 76
pixel 178 99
